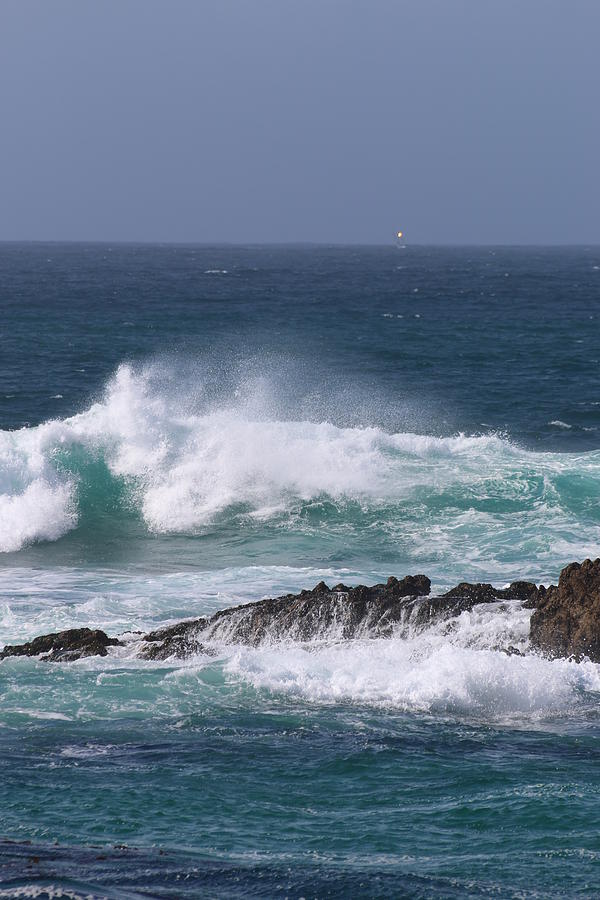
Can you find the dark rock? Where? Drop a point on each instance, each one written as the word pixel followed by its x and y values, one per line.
pixel 322 612
pixel 478 593
pixel 566 621
pixel 178 641
pixel 525 591
pixel 342 612
pixel 486 593
pixel 320 588
pixel 409 586
pixel 64 646
pixel 464 597
pixel 170 632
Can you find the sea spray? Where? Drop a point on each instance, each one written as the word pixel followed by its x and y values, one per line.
pixel 450 504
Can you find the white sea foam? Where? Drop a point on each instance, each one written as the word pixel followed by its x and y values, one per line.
pixel 457 667
pixel 457 670
pixel 186 462
pixel 36 503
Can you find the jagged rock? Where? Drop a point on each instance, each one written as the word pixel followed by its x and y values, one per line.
pixel 178 640
pixel 566 621
pixel 525 591
pixel 64 645
pixel 486 593
pixel 477 593
pixel 340 612
pixel 464 597
pixel 352 612
pixel 319 613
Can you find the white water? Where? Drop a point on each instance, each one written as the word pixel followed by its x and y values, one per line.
pixel 187 462
pixel 428 675
pixel 455 668
pixel 455 507
pixel 459 667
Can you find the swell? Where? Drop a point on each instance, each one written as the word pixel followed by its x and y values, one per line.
pixel 188 465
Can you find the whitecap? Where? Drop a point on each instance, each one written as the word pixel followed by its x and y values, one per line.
pixel 186 463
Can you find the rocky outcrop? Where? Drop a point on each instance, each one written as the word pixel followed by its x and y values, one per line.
pixel 465 596
pixel 325 613
pixel 566 621
pixel 64 646
pixel 485 593
pixel 337 612
pixel 178 640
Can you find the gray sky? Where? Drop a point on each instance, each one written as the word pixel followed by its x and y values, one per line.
pixel 314 120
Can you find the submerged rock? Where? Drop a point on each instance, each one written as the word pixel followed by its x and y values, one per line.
pixel 64 646
pixel 566 621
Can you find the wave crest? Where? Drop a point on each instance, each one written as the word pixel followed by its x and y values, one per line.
pixel 187 460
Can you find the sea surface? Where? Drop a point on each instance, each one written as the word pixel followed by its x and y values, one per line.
pixel 184 428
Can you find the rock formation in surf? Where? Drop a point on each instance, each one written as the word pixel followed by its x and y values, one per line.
pixel 339 612
pixel 64 646
pixel 566 621
pixel 178 641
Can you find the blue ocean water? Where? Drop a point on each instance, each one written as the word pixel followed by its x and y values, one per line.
pixel 189 427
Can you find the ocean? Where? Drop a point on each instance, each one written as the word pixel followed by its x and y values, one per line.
pixel 186 428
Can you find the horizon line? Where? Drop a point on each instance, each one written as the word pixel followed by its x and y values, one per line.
pixel 296 243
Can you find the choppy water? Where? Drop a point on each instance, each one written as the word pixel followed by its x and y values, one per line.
pixel 185 428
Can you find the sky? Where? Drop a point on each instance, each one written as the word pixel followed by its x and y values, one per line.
pixel 338 121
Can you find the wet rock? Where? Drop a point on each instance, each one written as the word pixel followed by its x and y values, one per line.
pixel 340 588
pixel 486 593
pixel 340 612
pixel 566 621
pixel 478 593
pixel 64 646
pixel 323 613
pixel 525 591
pixel 178 641
pixel 464 597
pixel 320 588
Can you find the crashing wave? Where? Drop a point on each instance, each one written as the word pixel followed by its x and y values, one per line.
pixel 185 463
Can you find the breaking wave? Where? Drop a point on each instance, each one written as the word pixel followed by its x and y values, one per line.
pixel 182 461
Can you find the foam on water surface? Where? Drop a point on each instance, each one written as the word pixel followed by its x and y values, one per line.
pixel 184 464
pixel 460 667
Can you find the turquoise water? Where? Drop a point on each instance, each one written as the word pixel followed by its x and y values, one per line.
pixel 186 428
